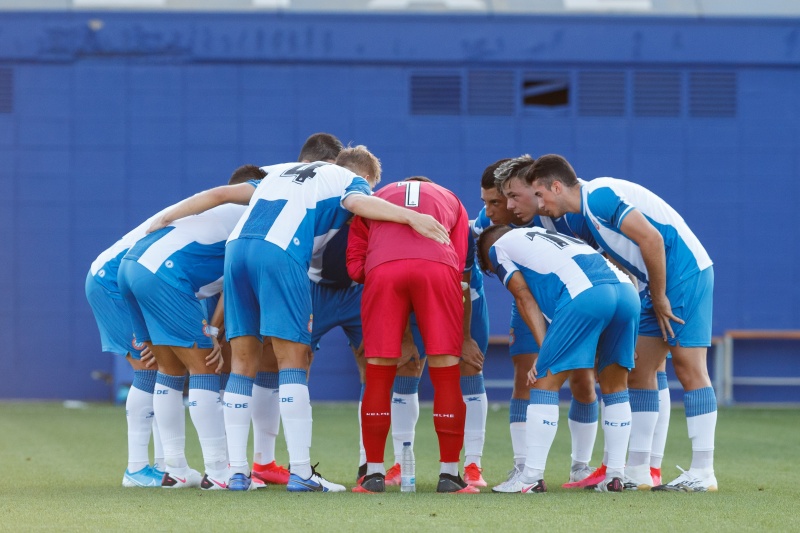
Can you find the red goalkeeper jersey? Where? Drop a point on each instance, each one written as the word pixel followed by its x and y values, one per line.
pixel 372 243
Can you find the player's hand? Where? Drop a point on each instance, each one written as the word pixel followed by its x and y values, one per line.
pixel 147 357
pixel 215 357
pixel 471 354
pixel 532 375
pixel 157 224
pixel 429 227
pixel 663 310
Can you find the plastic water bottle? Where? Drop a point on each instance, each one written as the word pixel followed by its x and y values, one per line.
pixel 408 480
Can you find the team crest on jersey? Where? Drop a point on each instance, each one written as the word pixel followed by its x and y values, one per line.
pixel 136 344
pixel 310 323
pixel 511 337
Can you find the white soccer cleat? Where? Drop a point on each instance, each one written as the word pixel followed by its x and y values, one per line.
pixel 581 472
pixel 691 481
pixel 638 477
pixel 215 480
pixel 315 483
pixel 513 483
pixel 184 478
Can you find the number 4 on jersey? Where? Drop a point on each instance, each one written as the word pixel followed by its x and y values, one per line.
pixel 303 172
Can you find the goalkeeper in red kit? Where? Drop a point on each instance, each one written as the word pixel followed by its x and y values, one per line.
pixel 402 273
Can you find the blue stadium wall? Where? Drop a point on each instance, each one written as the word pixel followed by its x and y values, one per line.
pixel 107 117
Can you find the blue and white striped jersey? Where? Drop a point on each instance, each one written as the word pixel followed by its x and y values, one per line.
pixel 605 202
pixel 105 267
pixel 189 254
pixel 573 224
pixel 556 267
pixel 298 207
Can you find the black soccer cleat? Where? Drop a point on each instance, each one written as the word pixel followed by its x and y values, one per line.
pixel 371 484
pixel 451 484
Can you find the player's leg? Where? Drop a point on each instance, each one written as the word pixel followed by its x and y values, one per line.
pixel 266 416
pixel 582 421
pixel 474 391
pixel 662 424
pixel 405 410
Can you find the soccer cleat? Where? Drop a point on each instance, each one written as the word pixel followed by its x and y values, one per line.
pixel 315 483
pixel 214 482
pixel 614 484
pixel 271 473
pixel 362 471
pixel 256 483
pixel 182 479
pixel 638 477
pixel 589 482
pixel 451 484
pixel 512 484
pixel 146 477
pixel 240 482
pixel 534 488
pixel 688 481
pixel 393 475
pixel 472 475
pixel 371 484
pixel 655 473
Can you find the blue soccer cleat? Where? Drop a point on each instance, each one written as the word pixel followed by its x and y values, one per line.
pixel 315 483
pixel 146 477
pixel 239 482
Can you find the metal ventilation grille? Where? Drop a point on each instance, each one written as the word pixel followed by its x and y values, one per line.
pixel 490 92
pixel 601 94
pixel 545 89
pixel 657 94
pixel 6 90
pixel 435 94
pixel 712 94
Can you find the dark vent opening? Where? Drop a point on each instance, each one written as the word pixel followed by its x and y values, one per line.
pixel 435 94
pixel 601 94
pixel 545 90
pixel 712 94
pixel 6 90
pixel 657 94
pixel 490 92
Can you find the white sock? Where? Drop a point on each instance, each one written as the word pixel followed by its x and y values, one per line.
pixel 375 468
pixel 701 432
pixel 205 409
pixel 236 409
pixel 405 413
pixel 519 444
pixel 542 426
pixel 139 413
pixel 583 436
pixel 448 468
pixel 266 415
pixel 170 412
pixel 662 428
pixel 617 431
pixel 475 427
pixel 296 414
pixel 362 453
pixel 158 450
pixel 643 425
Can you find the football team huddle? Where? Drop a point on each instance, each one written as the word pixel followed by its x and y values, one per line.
pixel 236 285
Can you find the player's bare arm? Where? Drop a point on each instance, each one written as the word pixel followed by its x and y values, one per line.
pixel 470 352
pixel 378 209
pixel 651 244
pixel 203 201
pixel 530 311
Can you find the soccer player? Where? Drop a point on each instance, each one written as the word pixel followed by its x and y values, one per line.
pixel 583 412
pixel 593 310
pixel 294 210
pixel 162 278
pixel 116 335
pixel 402 272
pixel 653 242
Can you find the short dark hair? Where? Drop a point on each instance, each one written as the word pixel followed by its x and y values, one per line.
pixel 320 147
pixel 419 178
pixel 485 241
pixel 553 167
pixel 246 173
pixel 487 179
pixel 513 168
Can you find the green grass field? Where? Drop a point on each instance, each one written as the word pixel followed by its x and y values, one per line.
pixel 64 467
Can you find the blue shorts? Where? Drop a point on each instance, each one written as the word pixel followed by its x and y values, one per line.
pixel 691 301
pixel 520 338
pixel 478 328
pixel 113 320
pixel 600 322
pixel 336 307
pixel 210 305
pixel 267 293
pixel 160 313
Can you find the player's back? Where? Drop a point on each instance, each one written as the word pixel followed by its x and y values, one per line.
pixel 297 206
pixel 390 241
